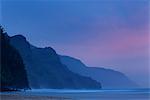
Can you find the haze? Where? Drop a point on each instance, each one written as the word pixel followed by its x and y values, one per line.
pixel 106 33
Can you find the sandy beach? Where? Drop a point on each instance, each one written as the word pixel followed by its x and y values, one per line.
pixel 27 97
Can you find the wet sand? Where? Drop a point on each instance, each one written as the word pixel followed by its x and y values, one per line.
pixel 27 97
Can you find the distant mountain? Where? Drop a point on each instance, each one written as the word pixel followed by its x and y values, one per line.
pixel 45 69
pixel 108 78
pixel 13 73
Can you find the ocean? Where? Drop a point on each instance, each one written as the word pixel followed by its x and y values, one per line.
pixel 104 94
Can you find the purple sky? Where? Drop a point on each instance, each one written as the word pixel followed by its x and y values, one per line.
pixel 103 33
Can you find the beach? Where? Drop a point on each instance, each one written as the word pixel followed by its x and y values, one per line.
pixel 27 97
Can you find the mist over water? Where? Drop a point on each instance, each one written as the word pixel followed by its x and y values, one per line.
pixel 104 94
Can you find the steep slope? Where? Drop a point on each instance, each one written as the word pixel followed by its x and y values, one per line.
pixel 45 69
pixel 108 78
pixel 13 73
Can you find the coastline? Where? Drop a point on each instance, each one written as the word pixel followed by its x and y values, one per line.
pixel 52 94
pixel 30 97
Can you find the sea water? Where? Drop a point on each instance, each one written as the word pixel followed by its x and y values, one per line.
pixel 104 94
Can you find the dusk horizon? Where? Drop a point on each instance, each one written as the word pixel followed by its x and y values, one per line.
pixel 110 34
pixel 105 66
pixel 75 49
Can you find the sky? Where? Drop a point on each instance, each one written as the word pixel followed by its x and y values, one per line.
pixel 101 33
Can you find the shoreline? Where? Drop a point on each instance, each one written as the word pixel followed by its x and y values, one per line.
pixel 30 97
pixel 77 95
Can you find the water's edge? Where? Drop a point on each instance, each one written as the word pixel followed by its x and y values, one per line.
pixel 104 94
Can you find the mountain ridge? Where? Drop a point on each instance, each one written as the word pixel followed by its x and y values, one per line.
pixel 45 69
pixel 11 79
pixel 109 78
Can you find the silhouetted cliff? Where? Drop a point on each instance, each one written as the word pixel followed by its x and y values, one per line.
pixel 108 78
pixel 45 69
pixel 13 75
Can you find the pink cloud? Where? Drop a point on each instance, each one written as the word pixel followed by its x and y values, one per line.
pixel 124 44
